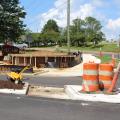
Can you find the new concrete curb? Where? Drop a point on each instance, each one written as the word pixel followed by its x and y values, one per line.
pixel 15 91
pixel 73 91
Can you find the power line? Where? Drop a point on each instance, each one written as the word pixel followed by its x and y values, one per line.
pixel 60 6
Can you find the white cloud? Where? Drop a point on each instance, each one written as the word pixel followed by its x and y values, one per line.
pixel 59 3
pixel 59 12
pixel 81 9
pixel 85 10
pixel 113 24
pixel 51 13
pixel 112 29
pixel 98 3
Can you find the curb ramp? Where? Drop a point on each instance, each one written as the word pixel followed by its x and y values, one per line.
pixel 73 91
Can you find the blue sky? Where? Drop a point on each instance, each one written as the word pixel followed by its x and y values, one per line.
pixel 107 11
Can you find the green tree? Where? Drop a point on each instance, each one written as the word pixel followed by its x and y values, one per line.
pixel 83 32
pixel 77 32
pixel 50 38
pixel 50 33
pixel 93 31
pixel 77 26
pixel 11 20
pixel 51 25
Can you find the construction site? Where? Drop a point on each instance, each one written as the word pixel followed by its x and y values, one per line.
pixel 98 79
pixel 59 60
pixel 15 61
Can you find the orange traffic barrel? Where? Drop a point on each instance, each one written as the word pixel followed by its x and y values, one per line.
pixel 90 77
pixel 105 75
pixel 113 62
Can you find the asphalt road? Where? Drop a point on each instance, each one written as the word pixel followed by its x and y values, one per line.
pixel 32 108
pixel 28 108
pixel 50 81
pixel 53 81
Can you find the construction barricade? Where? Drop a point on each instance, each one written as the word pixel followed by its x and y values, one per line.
pixel 90 77
pixel 105 76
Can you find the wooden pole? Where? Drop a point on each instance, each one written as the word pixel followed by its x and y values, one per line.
pixel 35 62
pixel 24 61
pixel 68 25
pixel 30 61
pixel 15 60
pixel 12 59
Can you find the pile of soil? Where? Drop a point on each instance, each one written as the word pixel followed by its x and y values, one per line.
pixel 10 85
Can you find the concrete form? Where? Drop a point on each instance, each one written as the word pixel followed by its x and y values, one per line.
pixel 41 60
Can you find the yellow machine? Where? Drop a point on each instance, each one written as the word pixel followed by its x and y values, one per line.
pixel 17 76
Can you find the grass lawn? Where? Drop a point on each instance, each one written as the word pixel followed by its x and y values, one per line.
pixel 108 59
pixel 105 58
pixel 103 47
pixel 106 47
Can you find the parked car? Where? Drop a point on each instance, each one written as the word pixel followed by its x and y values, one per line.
pixel 20 45
pixel 1 44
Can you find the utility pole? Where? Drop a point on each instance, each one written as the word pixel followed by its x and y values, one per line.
pixel 77 27
pixel 68 25
pixel 119 47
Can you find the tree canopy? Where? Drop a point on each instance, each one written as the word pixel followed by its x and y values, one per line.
pixel 82 32
pixel 51 25
pixel 93 30
pixel 11 20
pixel 50 32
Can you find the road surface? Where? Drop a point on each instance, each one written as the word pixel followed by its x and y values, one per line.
pixel 32 108
pixel 50 81
pixel 28 108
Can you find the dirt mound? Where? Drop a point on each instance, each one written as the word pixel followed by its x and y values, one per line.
pixel 10 85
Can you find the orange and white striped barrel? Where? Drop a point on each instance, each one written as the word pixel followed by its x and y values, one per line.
pixel 105 75
pixel 90 77
pixel 113 62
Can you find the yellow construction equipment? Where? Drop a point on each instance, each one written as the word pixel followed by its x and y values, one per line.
pixel 17 77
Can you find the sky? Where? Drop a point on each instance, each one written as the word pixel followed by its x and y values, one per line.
pixel 106 11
